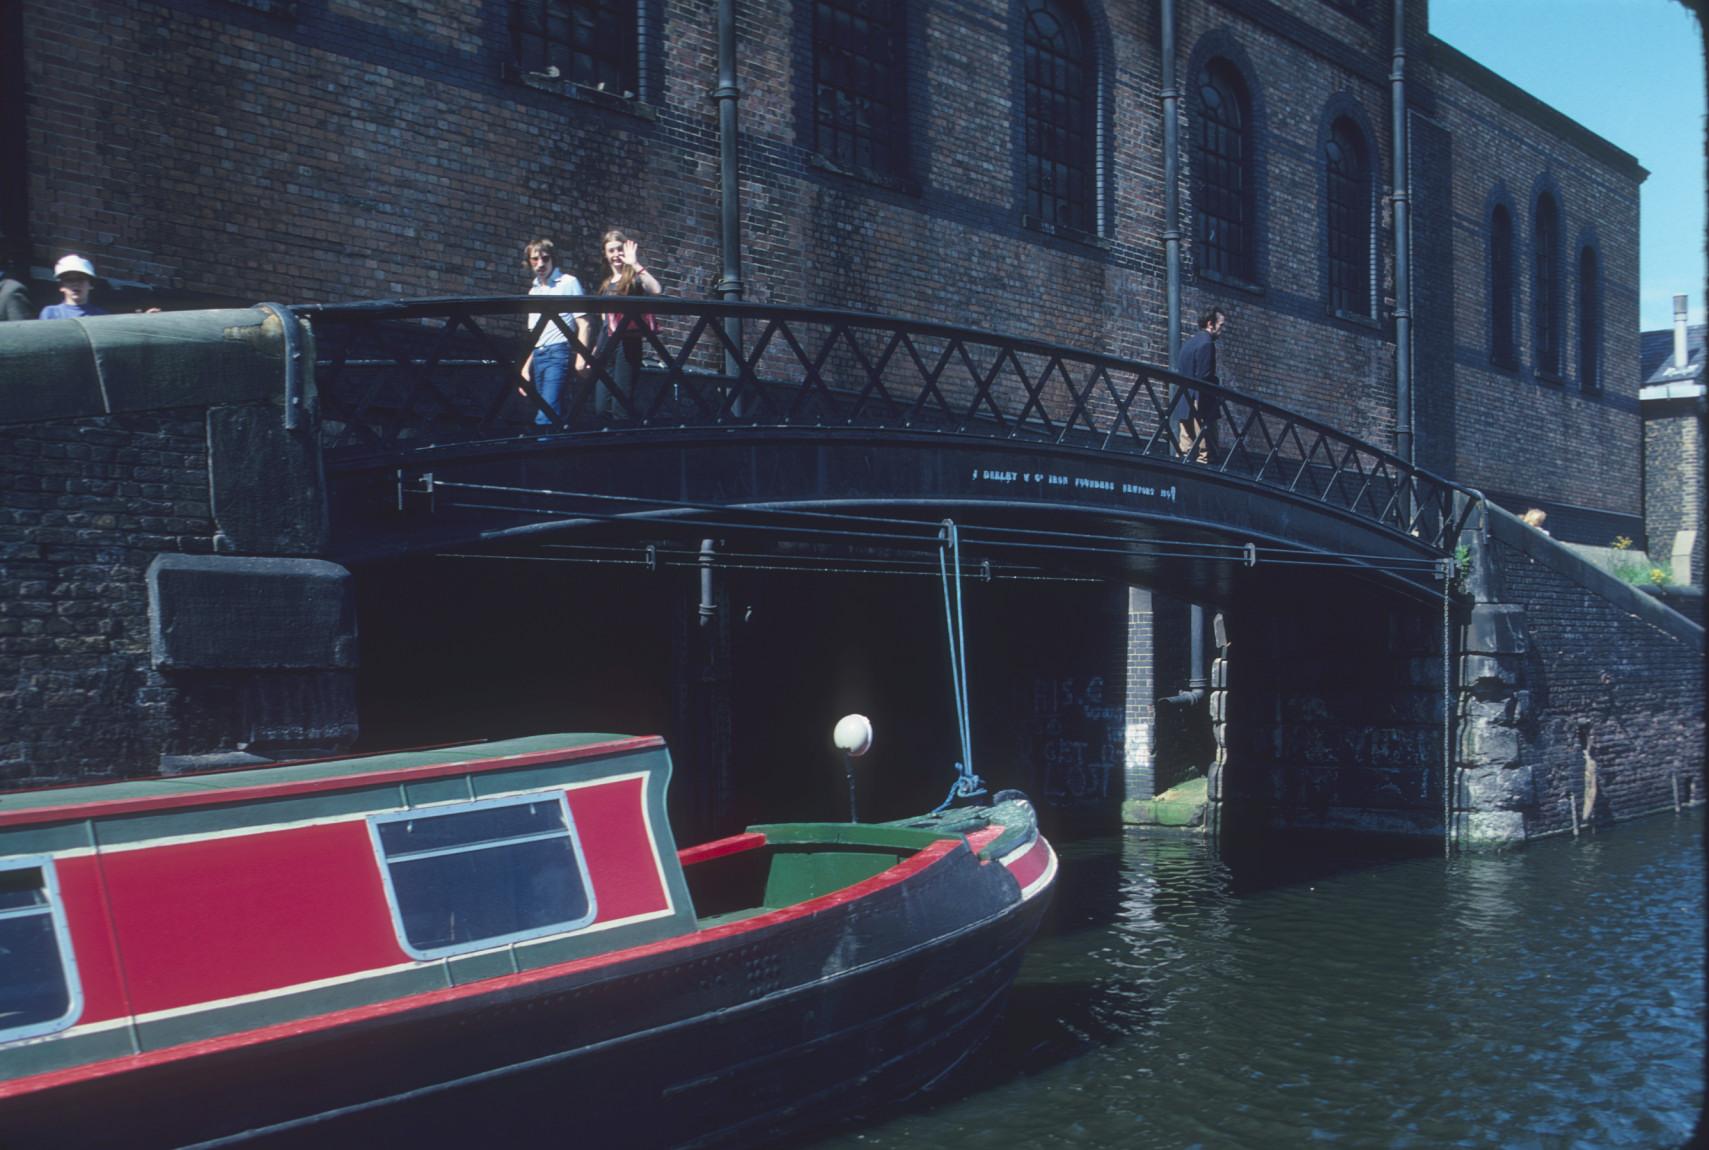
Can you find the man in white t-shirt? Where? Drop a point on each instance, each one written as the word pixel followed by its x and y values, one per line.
pixel 548 365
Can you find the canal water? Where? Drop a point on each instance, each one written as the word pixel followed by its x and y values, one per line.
pixel 1546 998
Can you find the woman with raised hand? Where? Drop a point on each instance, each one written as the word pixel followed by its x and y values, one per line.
pixel 622 338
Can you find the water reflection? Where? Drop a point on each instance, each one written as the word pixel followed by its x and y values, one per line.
pixel 1547 998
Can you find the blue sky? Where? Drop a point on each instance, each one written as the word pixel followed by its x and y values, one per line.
pixel 1632 72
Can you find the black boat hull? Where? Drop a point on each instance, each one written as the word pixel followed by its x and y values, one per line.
pixel 727 1038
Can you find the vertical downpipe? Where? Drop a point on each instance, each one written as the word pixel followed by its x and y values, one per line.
pixel 1198 678
pixel 1402 247
pixel 727 92
pixel 1171 181
pixel 15 250
pixel 708 596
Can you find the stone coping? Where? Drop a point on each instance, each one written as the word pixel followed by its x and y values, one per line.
pixel 1558 557
pixel 102 365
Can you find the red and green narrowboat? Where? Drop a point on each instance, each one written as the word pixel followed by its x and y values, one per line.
pixel 479 945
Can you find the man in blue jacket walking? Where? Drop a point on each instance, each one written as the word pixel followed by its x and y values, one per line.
pixel 1194 414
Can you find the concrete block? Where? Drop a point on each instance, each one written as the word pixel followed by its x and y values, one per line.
pixel 1486 673
pixel 1498 788
pixel 222 612
pixel 265 484
pixel 1496 628
pixel 1494 830
pixel 1489 745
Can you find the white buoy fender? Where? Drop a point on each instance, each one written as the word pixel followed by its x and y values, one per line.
pixel 853 735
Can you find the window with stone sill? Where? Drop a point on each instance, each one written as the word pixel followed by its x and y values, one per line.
pixel 1589 322
pixel 1349 227
pixel 1061 109
pixel 860 88
pixel 1546 289
pixel 1504 348
pixel 590 44
pixel 1224 206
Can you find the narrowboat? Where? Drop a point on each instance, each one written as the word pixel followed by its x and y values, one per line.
pixel 483 945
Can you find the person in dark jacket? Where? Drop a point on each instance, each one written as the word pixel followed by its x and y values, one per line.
pixel 15 302
pixel 1194 414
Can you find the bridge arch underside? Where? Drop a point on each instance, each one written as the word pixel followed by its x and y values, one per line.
pixel 1327 701
pixel 1186 530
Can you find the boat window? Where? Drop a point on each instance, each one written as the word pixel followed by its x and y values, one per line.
pixel 39 992
pixel 479 874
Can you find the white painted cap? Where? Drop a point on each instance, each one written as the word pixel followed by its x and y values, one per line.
pixel 853 734
pixel 73 264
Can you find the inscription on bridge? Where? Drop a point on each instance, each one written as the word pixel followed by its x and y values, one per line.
pixel 1052 480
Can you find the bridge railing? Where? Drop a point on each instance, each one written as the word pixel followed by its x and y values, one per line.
pixel 397 378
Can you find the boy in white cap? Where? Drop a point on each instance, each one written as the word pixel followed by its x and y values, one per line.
pixel 76 277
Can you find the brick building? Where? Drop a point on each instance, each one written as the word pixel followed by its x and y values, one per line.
pixel 1671 374
pixel 998 165
pixel 1001 166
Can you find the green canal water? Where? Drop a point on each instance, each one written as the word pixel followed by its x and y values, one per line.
pixel 1547 998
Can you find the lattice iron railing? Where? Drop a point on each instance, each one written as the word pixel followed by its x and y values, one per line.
pixel 396 378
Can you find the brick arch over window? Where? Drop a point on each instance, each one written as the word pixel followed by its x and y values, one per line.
pixel 1059 67
pixel 591 43
pixel 1589 315
pixel 860 84
pixel 1547 282
pixel 1224 150
pixel 1349 200
pixel 1503 281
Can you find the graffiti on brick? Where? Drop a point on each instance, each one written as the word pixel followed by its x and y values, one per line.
pixel 1078 736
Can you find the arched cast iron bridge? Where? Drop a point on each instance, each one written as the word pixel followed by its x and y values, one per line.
pixel 839 437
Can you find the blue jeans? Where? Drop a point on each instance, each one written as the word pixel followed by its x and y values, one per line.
pixel 551 366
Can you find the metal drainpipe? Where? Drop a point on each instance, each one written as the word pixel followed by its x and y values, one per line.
pixel 708 601
pixel 727 92
pixel 1402 245
pixel 14 146
pixel 1198 680
pixel 1171 180
pixel 1198 677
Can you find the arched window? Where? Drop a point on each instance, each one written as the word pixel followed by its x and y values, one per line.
pixel 1503 348
pixel 1546 288
pixel 1349 224
pixel 590 42
pixel 859 84
pixel 1060 109
pixel 1224 207
pixel 1589 321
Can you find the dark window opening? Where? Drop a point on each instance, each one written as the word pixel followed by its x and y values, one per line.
pixel 859 84
pixel 589 42
pixel 1503 349
pixel 1224 211
pixel 1349 187
pixel 1589 322
pixel 1546 283
pixel 483 874
pixel 1059 118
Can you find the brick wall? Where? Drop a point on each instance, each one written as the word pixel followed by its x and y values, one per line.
pixel 1616 702
pixel 85 505
pixel 302 152
pixel 1673 484
pixel 1498 152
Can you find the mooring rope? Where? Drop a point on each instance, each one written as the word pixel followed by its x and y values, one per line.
pixel 967 784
